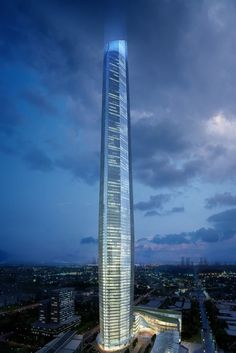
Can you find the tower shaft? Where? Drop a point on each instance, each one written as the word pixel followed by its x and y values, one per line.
pixel 116 235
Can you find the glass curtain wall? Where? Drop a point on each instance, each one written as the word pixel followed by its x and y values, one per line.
pixel 116 235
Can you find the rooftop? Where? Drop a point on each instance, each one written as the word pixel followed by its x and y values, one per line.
pixel 167 342
pixel 51 325
pixel 67 342
pixel 159 312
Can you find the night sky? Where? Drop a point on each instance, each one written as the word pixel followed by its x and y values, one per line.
pixel 182 68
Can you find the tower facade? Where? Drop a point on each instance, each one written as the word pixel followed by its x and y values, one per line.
pixel 116 233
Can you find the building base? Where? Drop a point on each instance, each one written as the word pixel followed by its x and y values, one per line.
pixel 102 348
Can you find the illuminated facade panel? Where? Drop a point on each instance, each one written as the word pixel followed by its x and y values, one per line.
pixel 116 236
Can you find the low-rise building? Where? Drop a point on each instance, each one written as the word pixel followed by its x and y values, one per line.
pixel 167 342
pixel 165 324
pixel 68 342
pixel 157 320
pixel 227 313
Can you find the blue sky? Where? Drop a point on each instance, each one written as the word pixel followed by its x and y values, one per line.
pixel 182 72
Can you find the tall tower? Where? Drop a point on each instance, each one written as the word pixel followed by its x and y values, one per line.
pixel 116 234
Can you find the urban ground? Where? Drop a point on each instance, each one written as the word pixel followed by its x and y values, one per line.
pixel 180 287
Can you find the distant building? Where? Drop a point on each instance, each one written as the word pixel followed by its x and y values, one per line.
pixel 203 261
pixel 56 314
pixel 68 342
pixel 62 305
pixel 188 261
pixel 227 314
pixel 45 311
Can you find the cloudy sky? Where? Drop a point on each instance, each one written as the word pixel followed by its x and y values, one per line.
pixel 182 66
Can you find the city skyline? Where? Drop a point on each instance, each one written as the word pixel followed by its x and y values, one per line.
pixel 183 129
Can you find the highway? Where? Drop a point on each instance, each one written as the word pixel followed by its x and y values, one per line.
pixel 20 309
pixel 208 342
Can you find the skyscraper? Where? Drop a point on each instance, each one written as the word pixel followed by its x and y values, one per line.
pixel 116 234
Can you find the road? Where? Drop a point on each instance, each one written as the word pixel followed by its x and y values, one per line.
pixel 208 341
pixel 20 309
pixel 142 297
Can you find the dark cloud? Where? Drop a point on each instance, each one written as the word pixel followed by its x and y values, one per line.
pixel 43 37
pixel 206 235
pixel 224 221
pixel 37 159
pixel 224 199
pixel 82 167
pixel 174 94
pixel 164 213
pixel 88 240
pixel 164 172
pixel 140 240
pixel 157 136
pixel 152 213
pixel 155 201
pixel 57 44
pixel 181 238
pixel 169 143
pixel 224 228
pixel 177 210
pixel 215 151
